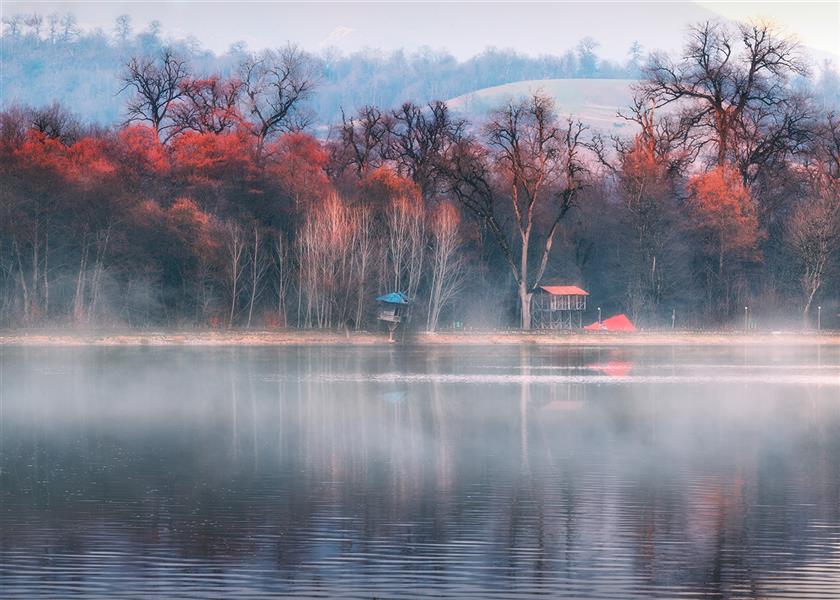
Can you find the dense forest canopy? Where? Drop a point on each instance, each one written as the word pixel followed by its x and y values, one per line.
pixel 212 192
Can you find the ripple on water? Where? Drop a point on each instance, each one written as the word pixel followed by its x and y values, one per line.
pixel 491 475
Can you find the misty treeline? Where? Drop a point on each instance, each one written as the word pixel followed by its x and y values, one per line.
pixel 49 58
pixel 213 206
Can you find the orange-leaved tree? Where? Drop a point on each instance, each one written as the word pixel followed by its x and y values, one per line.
pixel 725 216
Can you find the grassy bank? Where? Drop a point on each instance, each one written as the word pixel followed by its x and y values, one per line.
pixel 327 338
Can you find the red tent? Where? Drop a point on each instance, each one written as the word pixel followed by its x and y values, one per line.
pixel 616 323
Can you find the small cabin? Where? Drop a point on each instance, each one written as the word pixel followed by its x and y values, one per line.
pixel 394 308
pixel 558 307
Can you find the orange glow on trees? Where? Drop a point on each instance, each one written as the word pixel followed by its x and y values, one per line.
pixel 726 218
pixel 210 157
pixel 214 204
pixel 298 163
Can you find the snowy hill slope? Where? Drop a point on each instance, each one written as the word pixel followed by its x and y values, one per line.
pixel 593 101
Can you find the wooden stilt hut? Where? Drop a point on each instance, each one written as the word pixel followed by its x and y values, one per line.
pixel 558 307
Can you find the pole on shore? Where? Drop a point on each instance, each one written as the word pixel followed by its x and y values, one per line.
pixel 673 317
pixel 599 315
pixel 746 318
pixel 819 318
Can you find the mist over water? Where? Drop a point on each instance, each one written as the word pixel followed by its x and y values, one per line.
pixel 456 472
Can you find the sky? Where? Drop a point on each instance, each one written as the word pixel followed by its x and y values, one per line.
pixel 462 28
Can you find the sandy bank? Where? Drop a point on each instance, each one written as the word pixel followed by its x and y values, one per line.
pixel 327 338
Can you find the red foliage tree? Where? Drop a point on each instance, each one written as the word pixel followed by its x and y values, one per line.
pixel 140 152
pixel 298 164
pixel 206 157
pixel 725 216
pixel 382 186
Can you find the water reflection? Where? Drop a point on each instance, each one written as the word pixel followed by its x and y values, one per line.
pixel 455 472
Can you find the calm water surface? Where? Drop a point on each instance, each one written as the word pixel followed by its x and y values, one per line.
pixel 393 472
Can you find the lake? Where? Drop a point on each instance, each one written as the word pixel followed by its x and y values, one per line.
pixel 378 472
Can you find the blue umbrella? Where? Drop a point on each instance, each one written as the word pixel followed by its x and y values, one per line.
pixel 393 298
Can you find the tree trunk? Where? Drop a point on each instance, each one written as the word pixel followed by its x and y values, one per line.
pixel 36 278
pixel 723 300
pixel 808 301
pixel 78 302
pixel 98 267
pixel 434 298
pixel 282 278
pixel 235 247
pixel 525 305
pixel 254 274
pixel 24 288
pixel 46 271
pixel 233 295
pixel 524 295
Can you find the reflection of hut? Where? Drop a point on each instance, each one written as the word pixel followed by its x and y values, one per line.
pixel 558 306
pixel 394 309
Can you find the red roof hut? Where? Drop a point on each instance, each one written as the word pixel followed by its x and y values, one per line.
pixel 558 306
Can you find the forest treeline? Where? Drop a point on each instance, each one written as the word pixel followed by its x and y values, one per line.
pixel 213 205
pixel 49 58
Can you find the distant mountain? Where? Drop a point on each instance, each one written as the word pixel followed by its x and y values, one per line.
pixel 593 101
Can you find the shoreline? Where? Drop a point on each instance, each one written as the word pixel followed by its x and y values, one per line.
pixel 199 338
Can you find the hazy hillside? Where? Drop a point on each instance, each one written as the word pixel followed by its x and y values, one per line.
pixel 57 61
pixel 39 65
pixel 594 101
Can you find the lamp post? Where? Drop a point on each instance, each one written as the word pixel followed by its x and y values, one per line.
pixel 819 318
pixel 599 315
pixel 746 318
pixel 673 317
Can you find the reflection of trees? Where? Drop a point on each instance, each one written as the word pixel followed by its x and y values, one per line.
pixel 282 458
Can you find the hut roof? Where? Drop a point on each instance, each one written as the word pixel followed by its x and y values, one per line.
pixel 393 298
pixel 564 290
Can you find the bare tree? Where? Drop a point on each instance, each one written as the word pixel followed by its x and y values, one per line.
pixel 35 22
pixel 122 28
pixel 448 267
pixel 208 105
pixel 325 248
pixel 406 239
pixel 419 139
pixel 81 280
pixel 275 86
pixel 814 231
pixel 538 171
pixel 69 27
pixel 235 248
pixel 363 139
pixel 814 227
pixel 364 254
pixel 730 88
pixel 156 82
pixel 13 24
pixel 259 266
pixel 283 275
pixel 101 240
pixel 56 123
pixel 826 152
pixel 52 21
